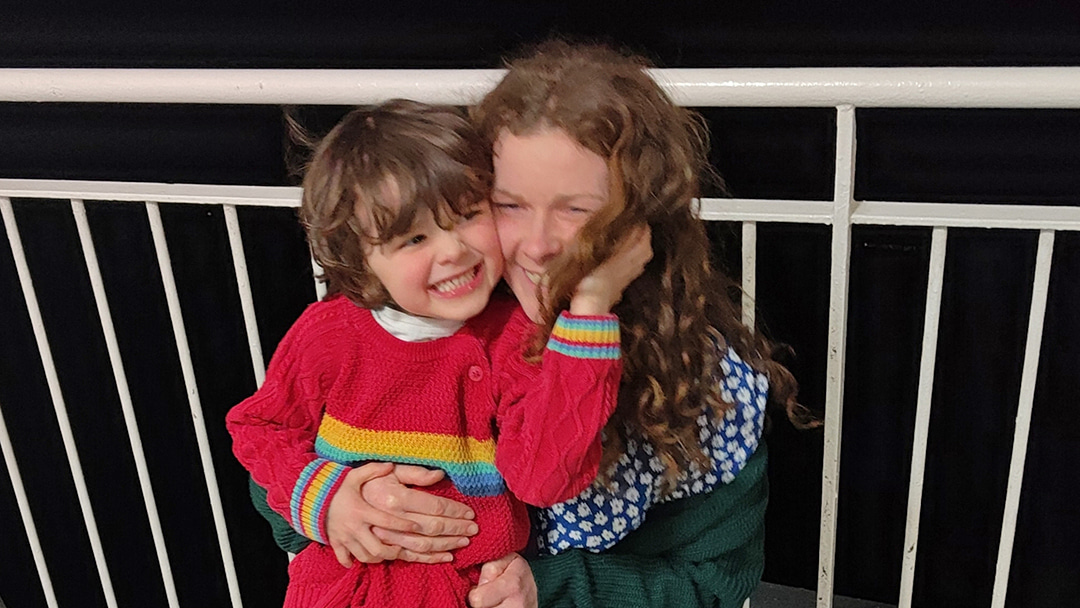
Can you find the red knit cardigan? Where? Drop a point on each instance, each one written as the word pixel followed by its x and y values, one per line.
pixel 340 390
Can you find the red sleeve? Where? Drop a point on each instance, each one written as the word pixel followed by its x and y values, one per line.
pixel 274 430
pixel 550 415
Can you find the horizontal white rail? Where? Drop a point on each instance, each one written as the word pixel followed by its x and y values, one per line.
pixel 981 87
pixel 141 192
pixel 882 213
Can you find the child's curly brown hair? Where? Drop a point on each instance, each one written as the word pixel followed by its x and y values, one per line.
pixel 372 173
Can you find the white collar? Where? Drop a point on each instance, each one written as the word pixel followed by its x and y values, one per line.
pixel 412 328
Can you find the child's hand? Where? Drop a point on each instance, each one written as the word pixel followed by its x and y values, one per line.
pixel 602 288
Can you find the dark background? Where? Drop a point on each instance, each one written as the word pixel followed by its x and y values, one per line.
pixel 1027 157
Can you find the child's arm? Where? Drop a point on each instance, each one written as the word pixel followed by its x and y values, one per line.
pixel 274 430
pixel 548 449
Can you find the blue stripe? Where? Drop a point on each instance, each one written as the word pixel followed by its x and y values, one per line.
pixel 587 324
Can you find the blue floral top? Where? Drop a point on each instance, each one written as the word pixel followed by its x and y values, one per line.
pixel 602 515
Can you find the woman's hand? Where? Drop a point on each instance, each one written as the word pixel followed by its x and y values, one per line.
pixel 505 583
pixel 360 518
pixel 441 524
pixel 602 288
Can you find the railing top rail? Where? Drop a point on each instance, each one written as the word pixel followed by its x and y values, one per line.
pixel 926 213
pixel 971 87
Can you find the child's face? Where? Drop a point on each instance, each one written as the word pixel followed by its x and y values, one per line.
pixel 445 274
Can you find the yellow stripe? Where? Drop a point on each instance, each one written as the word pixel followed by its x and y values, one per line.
pixel 405 443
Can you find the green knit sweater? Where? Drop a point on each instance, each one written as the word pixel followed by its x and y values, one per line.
pixel 706 550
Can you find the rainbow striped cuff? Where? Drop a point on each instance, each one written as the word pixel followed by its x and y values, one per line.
pixel 586 337
pixel 311 497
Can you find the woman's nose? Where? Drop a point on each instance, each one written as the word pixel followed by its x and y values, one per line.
pixel 541 242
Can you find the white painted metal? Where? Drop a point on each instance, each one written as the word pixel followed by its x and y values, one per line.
pixel 1025 87
pixel 954 215
pixel 843 189
pixel 929 214
pixel 765 210
pixel 983 87
pixel 330 87
pixel 25 514
pixel 749 272
pixel 139 192
pixel 78 209
pixel 45 352
pixel 1030 371
pixel 161 247
pixel 243 285
pixel 922 411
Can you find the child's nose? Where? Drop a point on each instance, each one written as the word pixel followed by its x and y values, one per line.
pixel 452 247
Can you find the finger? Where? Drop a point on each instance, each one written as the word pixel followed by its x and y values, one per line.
pixel 417 476
pixel 422 503
pixel 342 554
pixel 371 548
pixel 371 470
pixel 443 526
pixel 421 544
pixel 373 516
pixel 489 595
pixel 425 558
pixel 493 569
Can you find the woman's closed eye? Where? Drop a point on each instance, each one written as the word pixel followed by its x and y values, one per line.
pixel 504 207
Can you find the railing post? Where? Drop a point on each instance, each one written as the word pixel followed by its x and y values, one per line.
pixel 843 202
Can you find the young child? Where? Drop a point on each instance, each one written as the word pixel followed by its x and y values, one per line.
pixel 406 361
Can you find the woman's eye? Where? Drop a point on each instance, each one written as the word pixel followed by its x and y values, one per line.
pixel 505 206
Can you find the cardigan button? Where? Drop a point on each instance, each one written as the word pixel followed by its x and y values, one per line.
pixel 475 373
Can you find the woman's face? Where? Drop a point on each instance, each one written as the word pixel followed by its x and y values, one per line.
pixel 546 187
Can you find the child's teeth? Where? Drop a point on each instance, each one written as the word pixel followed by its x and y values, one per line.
pixel 456 282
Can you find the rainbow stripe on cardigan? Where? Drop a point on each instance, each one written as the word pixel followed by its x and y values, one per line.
pixel 592 337
pixel 307 507
pixel 468 462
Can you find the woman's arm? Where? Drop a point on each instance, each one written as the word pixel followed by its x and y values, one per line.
pixel 550 417
pixel 434 525
pixel 705 550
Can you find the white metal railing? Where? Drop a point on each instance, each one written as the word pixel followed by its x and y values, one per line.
pixel 842 88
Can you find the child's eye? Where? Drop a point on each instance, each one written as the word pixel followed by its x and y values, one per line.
pixel 472 213
pixel 415 239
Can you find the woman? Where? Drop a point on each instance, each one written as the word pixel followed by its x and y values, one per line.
pixel 586 147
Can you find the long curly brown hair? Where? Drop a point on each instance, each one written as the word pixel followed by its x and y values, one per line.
pixel 676 312
pixel 386 163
